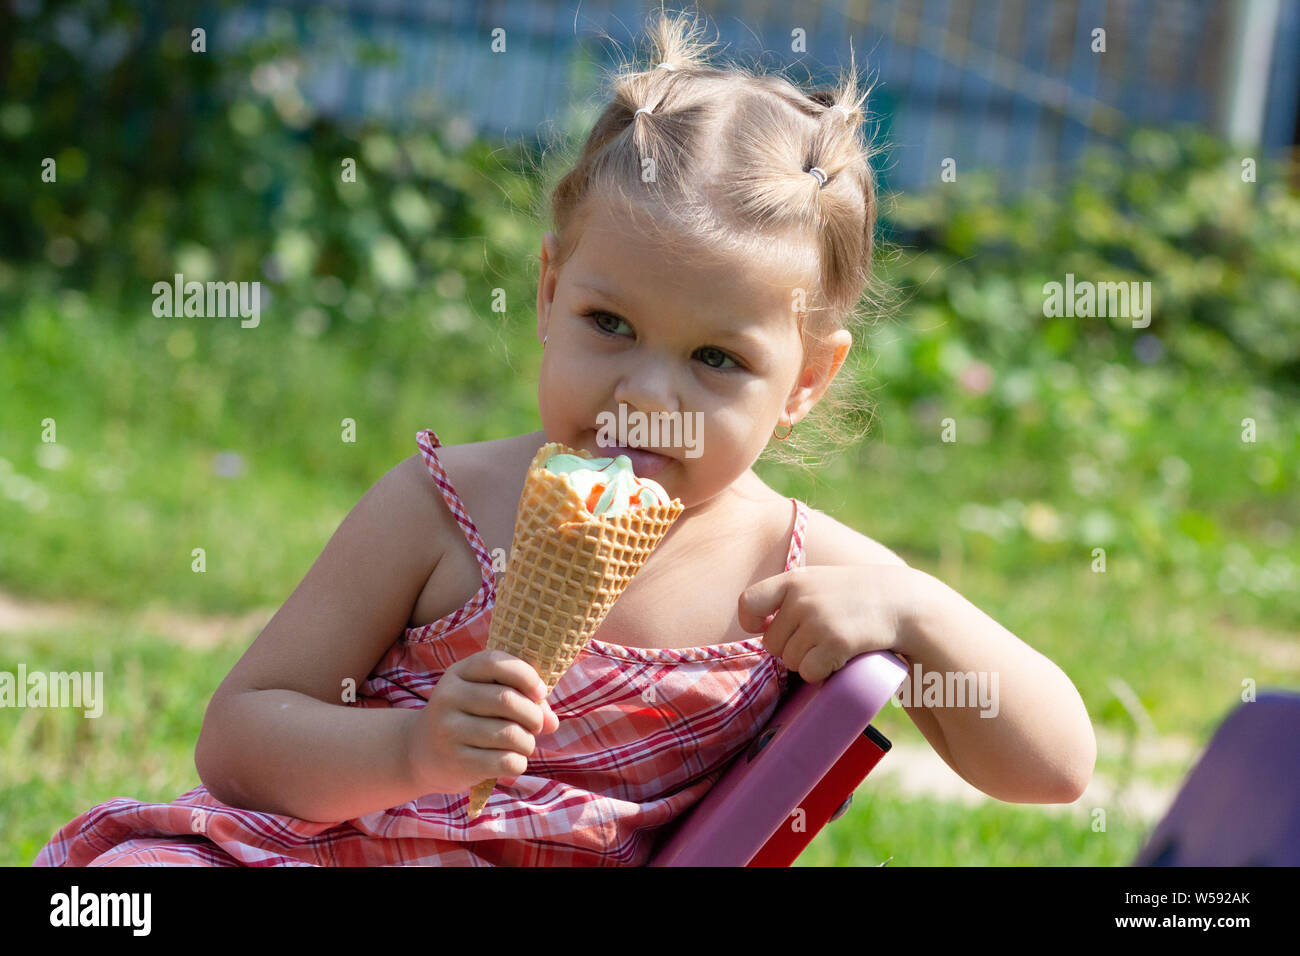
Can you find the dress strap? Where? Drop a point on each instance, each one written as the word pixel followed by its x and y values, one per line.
pixel 795 558
pixel 428 441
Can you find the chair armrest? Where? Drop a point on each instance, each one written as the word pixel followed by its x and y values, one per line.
pixel 809 732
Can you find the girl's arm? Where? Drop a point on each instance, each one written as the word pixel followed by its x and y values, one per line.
pixel 1037 745
pixel 277 735
pixel 288 753
pixel 855 596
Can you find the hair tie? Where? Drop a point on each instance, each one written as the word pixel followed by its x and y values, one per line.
pixel 665 66
pixel 820 175
pixel 644 109
pixel 842 110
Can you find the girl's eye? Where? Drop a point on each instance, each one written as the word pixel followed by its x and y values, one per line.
pixel 609 323
pixel 721 355
pixel 613 319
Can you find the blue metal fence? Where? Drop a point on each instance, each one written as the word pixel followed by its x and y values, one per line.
pixel 1008 86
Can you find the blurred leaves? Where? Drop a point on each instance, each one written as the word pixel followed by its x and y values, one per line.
pixel 214 165
pixel 1169 207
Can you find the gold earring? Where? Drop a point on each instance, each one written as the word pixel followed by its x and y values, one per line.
pixel 786 435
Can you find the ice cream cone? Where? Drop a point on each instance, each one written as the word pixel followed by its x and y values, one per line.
pixel 566 569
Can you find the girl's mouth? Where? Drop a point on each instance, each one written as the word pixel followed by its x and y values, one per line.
pixel 646 464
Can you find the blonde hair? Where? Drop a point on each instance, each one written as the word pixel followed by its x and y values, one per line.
pixel 730 149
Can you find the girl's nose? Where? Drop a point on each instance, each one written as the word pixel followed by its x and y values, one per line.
pixel 648 387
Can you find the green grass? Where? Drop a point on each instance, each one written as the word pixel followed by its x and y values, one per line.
pixel 1200 586
pixel 883 825
pixel 56 763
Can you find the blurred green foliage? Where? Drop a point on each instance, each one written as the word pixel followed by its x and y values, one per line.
pixel 213 165
pixel 1168 207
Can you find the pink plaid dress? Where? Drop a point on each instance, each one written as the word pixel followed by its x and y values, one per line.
pixel 644 733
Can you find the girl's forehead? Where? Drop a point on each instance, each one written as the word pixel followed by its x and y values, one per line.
pixel 628 258
pixel 742 296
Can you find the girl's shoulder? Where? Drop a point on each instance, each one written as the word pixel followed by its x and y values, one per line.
pixel 825 540
pixel 473 464
pixel 486 479
pixel 829 542
pixel 507 455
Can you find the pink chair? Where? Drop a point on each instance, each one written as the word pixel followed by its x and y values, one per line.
pixel 797 776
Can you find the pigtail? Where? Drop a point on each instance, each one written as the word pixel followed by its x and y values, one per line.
pixel 678 46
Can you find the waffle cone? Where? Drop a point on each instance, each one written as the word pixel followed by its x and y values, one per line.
pixel 567 567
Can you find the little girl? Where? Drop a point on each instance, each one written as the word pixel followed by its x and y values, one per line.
pixel 709 247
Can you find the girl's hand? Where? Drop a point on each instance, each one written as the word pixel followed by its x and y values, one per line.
pixel 825 616
pixel 480 722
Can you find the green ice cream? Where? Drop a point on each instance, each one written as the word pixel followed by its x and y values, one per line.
pixel 608 486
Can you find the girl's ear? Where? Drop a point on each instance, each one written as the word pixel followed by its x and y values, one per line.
pixel 546 283
pixel 818 374
pixel 839 345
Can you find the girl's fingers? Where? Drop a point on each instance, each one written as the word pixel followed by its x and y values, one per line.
pixel 778 633
pixel 487 733
pixel 817 664
pixel 496 764
pixel 506 703
pixel 494 666
pixel 792 653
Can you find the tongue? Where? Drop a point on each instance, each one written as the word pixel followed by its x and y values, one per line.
pixel 644 463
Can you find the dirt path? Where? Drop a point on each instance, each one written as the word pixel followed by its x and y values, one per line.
pixel 919 771
pixel 202 631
